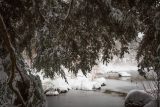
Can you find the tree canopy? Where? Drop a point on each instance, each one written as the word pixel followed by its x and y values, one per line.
pixel 73 33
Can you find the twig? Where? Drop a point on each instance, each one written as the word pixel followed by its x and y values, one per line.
pixel 69 10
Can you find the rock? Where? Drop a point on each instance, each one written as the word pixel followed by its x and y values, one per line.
pixel 151 104
pixel 112 75
pixel 124 74
pixel 103 84
pixel 137 98
pixel 62 89
pixel 52 93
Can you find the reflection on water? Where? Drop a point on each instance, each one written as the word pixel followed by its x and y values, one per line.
pixel 112 95
pixel 112 92
pixel 77 98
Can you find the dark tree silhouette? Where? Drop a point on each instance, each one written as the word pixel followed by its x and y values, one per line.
pixel 72 33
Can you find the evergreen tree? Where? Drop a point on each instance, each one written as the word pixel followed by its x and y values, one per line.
pixel 72 33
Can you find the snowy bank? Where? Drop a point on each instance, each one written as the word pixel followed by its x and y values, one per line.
pixel 112 74
pixel 124 74
pixel 78 83
pixel 83 83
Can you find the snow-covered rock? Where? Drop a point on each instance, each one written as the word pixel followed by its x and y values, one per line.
pixel 137 98
pixel 151 104
pixel 117 74
pixel 112 75
pixel 80 82
pixel 86 85
pixel 124 74
pixel 58 84
pixel 52 93
pixel 102 81
pixel 62 89
pixel 48 85
pixel 96 85
pixel 83 83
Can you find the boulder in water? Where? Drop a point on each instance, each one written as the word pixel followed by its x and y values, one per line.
pixel 137 98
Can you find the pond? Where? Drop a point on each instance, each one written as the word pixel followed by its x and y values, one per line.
pixel 77 98
pixel 102 98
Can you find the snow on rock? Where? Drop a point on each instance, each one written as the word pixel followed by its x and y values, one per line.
pixel 112 74
pixel 137 98
pixel 83 83
pixel 61 85
pixel 96 85
pixel 124 74
pixel 86 85
pixel 47 86
pixel 52 93
pixel 101 81
pixel 80 82
pixel 58 84
pixel 117 74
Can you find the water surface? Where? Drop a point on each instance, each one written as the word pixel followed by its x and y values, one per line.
pixel 77 98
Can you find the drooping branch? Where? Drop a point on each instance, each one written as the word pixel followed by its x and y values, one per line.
pixel 69 10
pixel 10 49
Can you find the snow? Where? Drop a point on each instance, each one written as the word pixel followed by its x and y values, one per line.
pixel 58 84
pixel 52 93
pixel 101 81
pixel 61 85
pixel 77 83
pixel 137 98
pixel 48 85
pixel 112 74
pixel 140 35
pixel 124 74
pixel 91 81
pixel 84 83
pixel 96 85
pixel 119 68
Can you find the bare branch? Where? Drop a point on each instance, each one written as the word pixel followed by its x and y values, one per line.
pixel 69 10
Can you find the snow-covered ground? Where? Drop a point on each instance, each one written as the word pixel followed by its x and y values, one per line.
pixel 80 82
pixel 117 67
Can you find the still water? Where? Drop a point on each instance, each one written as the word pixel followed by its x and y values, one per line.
pixel 78 98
